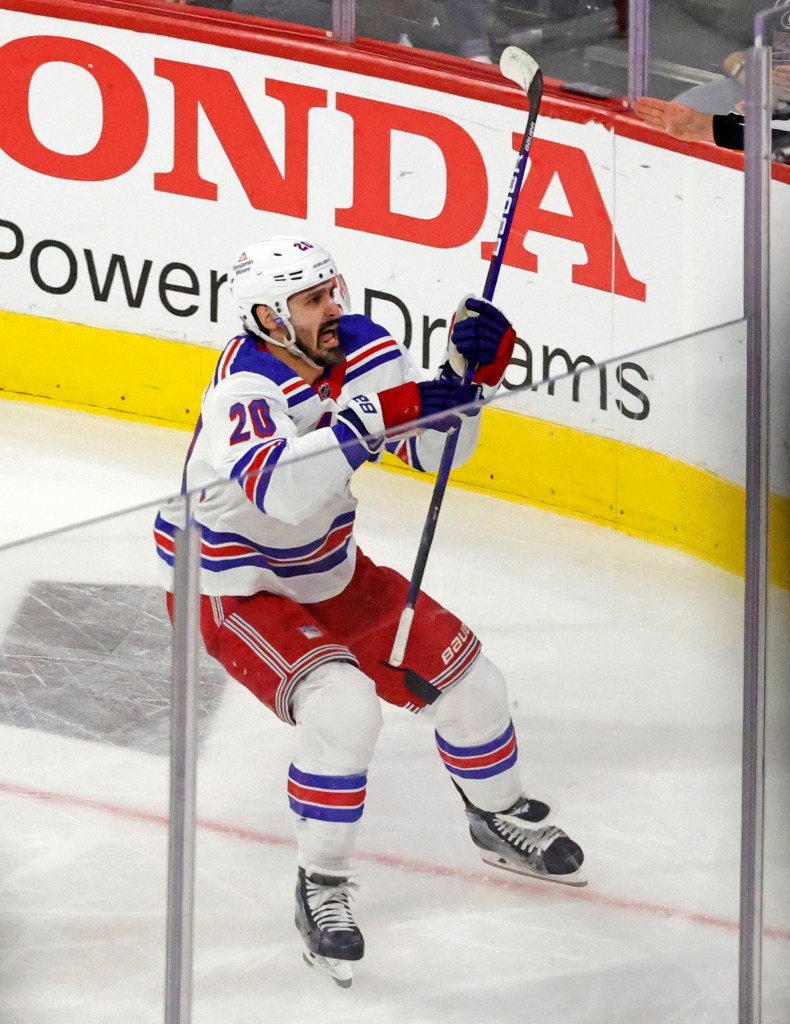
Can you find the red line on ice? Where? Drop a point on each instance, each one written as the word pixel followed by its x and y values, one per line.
pixel 406 864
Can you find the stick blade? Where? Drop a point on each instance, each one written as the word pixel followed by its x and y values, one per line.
pixel 517 65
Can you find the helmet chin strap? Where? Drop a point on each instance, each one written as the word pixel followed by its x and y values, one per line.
pixel 290 345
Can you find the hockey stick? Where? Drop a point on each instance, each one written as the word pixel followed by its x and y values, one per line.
pixel 520 68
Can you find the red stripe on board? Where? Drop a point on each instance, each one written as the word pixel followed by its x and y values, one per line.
pixel 442 72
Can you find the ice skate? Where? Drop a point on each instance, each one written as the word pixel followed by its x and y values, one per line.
pixel 518 840
pixel 325 922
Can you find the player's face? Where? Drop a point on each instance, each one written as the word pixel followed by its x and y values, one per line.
pixel 315 315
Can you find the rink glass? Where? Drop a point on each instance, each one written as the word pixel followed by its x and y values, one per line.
pixel 686 50
pixel 623 659
pixel 85 665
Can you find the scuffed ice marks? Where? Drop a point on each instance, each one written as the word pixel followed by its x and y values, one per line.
pixel 93 662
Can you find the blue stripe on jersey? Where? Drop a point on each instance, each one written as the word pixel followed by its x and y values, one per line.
pixel 164 526
pixel 355 331
pixel 410 455
pixel 265 475
pixel 283 562
pixel 384 357
pixel 241 464
pixel 336 557
pixel 253 470
pixel 414 460
pixel 349 430
pixel 165 547
pixel 350 445
pixel 252 357
pixel 302 551
pixel 301 396
pixel 220 551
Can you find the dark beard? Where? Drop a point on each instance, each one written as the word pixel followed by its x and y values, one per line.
pixel 334 357
pixel 331 357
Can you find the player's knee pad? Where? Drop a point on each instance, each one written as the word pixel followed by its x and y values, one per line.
pixel 338 719
pixel 476 708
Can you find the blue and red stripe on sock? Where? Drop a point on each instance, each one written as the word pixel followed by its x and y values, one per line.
pixel 326 797
pixel 481 761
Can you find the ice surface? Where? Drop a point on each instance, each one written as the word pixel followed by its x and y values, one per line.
pixel 94 662
pixel 624 665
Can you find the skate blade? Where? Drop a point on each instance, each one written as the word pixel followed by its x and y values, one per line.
pixel 340 971
pixel 575 878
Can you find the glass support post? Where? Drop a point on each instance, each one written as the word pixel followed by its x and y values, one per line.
pixel 344 20
pixel 757 181
pixel 183 758
pixel 638 49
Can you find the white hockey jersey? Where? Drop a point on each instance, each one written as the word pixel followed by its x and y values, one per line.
pixel 284 522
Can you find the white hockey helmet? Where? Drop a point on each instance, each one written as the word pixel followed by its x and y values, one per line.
pixel 268 273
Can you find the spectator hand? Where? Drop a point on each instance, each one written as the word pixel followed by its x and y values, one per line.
pixel 734 66
pixel 675 119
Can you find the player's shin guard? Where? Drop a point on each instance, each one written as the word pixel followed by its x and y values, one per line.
pixel 487 775
pixel 328 810
pixel 477 743
pixel 338 718
pixel 476 739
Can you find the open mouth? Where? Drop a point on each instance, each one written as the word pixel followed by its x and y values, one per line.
pixel 328 334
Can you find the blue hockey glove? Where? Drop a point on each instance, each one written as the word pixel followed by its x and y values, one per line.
pixel 484 338
pixel 444 394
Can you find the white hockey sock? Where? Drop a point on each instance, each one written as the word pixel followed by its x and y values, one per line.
pixel 338 719
pixel 476 738
pixel 328 810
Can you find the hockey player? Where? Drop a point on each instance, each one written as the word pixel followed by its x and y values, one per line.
pixel 298 614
